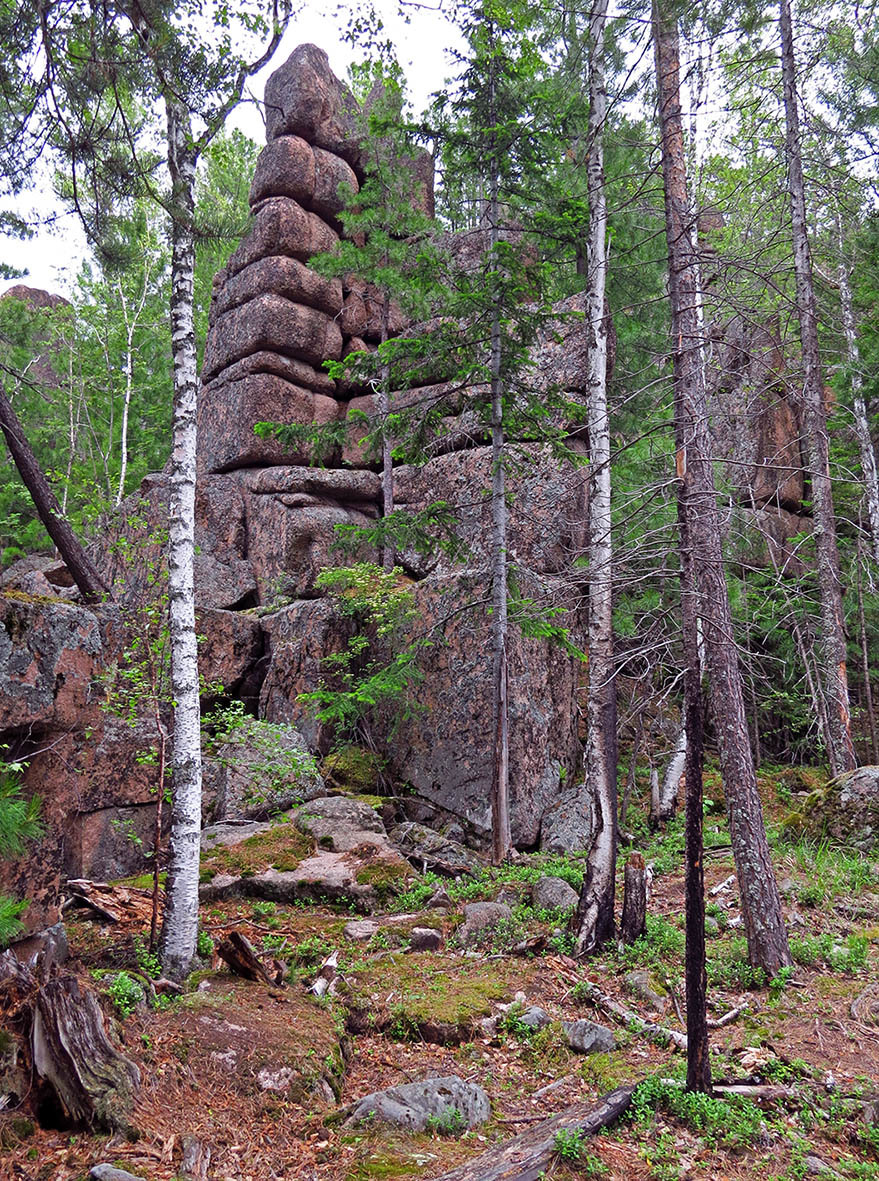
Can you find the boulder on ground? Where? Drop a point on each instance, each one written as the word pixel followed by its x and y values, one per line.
pixel 481 919
pixel 846 809
pixel 414 1106
pixel 588 1038
pixel 552 893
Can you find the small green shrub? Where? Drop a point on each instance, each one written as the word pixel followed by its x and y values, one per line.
pixel 126 993
pixel 450 1122
pixel 204 945
pixel 148 962
pixel 732 1121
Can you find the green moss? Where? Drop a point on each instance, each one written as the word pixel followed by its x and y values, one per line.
pixel 385 877
pixel 281 847
pixel 353 769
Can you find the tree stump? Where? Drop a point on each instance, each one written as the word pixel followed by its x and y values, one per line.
pixel 634 921
pixel 95 1084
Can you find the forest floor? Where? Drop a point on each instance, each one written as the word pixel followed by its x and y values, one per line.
pixel 811 1038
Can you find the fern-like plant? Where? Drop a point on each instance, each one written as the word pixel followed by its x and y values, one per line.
pixel 19 823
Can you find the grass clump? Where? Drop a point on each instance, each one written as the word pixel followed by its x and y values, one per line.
pixel 733 1122
pixel 450 1122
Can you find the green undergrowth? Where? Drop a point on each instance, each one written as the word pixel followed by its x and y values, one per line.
pixel 484 882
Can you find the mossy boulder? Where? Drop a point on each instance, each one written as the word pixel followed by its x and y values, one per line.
pixel 846 809
pixel 352 769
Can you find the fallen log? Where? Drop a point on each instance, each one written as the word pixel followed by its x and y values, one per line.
pixel 660 1034
pixel 525 1157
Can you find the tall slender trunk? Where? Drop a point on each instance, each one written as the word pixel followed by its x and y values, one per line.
pixel 384 408
pixel 180 928
pixel 501 838
pixel 862 425
pixel 595 910
pixel 865 661
pixel 91 586
pixel 761 905
pixel 814 419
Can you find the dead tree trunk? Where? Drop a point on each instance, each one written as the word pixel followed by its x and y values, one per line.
pixel 633 924
pixel 525 1158
pixel 841 750
pixel 700 534
pixel 91 586
pixel 95 1084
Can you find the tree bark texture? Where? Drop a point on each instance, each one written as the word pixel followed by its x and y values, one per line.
pixel 841 750
pixel 633 923
pixel 95 1084
pixel 501 838
pixel 89 582
pixel 859 408
pixel 595 911
pixel 383 405
pixel 526 1157
pixel 761 905
pixel 180 928
pixel 664 804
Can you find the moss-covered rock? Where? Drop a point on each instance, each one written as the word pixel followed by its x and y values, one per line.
pixel 846 809
pixel 353 769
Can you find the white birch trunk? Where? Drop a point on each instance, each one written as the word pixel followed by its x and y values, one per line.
pixel 595 911
pixel 180 928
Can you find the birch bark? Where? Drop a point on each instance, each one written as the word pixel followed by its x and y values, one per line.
pixel 180 926
pixel 595 911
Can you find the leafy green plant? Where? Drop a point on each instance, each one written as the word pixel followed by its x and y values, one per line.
pixel 19 823
pixel 731 1121
pixel 450 1122
pixel 126 993
pixel 148 962
pixel 568 1143
pixel 204 945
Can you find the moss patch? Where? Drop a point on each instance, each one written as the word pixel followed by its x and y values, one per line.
pixel 281 847
pixel 432 996
pixel 352 769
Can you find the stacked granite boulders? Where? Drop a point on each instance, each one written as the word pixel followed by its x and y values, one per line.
pixel 274 321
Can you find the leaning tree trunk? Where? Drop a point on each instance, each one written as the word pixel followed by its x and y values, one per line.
pixel 594 921
pixel 501 837
pixel 761 905
pixel 91 586
pixel 180 928
pixel 841 750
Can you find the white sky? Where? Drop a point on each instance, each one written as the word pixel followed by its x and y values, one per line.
pixel 53 258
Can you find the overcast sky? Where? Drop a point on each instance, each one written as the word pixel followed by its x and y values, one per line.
pixel 53 258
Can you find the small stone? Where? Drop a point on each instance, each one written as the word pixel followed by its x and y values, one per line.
pixel 425 939
pixel 360 930
pixel 712 926
pixel 787 887
pixel 638 983
pixel 439 899
pixel 554 894
pixel 111 1173
pixel 534 1018
pixel 480 919
pixel 816 1167
pixel 276 1080
pixel 588 1038
pixel 488 1026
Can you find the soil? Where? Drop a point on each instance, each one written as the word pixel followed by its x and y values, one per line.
pixel 261 1075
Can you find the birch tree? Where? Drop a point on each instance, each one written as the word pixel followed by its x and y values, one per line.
pixel 595 911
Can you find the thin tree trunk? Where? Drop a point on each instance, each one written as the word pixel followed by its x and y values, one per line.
pixel 384 409
pixel 180 928
pixel 833 647
pixel 664 805
pixel 865 663
pixel 501 838
pixel 700 537
pixel 862 425
pixel 595 910
pixel 633 922
pixel 91 586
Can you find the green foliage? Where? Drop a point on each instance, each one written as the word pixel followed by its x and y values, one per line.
pixel 376 668
pixel 126 993
pixel 148 962
pixel 732 1121
pixel 450 1122
pixel 204 944
pixel 19 823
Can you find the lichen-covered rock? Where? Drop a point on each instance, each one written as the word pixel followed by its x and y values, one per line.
pixel 588 1038
pixel 481 920
pixel 414 1105
pixel 286 278
pixel 568 822
pixel 305 98
pixel 275 324
pixel 846 809
pixel 554 894
pixel 281 227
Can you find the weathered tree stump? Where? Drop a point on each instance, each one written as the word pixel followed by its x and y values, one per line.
pixel 634 921
pixel 95 1084
pixel 237 951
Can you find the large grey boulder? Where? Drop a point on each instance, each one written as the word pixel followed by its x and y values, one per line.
pixel 258 768
pixel 412 1105
pixel 554 894
pixel 845 809
pixel 341 824
pixel 568 823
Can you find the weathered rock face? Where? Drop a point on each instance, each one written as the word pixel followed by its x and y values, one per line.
pixel 846 809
